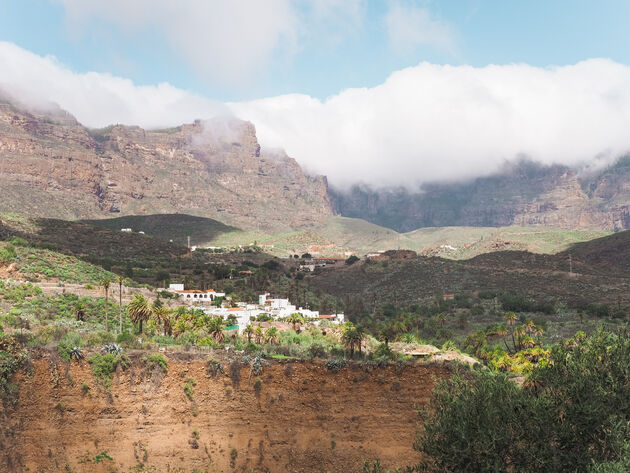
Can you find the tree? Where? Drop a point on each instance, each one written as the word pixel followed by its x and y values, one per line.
pixel 259 334
pixel 295 320
pixel 105 283
pixel 120 280
pixel 272 336
pixel 139 310
pixel 215 329
pixel 162 316
pixel 79 310
pixel 249 331
pixel 352 337
pixel 351 260
pixel 385 332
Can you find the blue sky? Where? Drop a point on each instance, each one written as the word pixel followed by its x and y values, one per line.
pixel 330 55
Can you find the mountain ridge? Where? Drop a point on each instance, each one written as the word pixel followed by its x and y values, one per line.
pixel 523 194
pixel 52 166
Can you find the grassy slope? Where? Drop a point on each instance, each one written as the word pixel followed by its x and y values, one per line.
pixel 176 227
pixel 339 234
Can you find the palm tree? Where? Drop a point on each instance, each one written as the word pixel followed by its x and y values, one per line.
pixel 272 336
pixel 249 331
pixel 385 332
pixel 80 311
pixel 139 310
pixel 162 315
pixel 258 334
pixel 511 319
pixel 351 337
pixel 120 280
pixel 295 320
pixel 215 329
pixel 105 283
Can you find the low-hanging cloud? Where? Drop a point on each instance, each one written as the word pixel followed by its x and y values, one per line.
pixel 97 99
pixel 447 123
pixel 424 123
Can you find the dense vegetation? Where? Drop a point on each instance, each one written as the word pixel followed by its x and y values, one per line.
pixel 571 414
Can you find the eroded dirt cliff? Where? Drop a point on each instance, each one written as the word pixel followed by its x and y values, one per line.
pixel 303 418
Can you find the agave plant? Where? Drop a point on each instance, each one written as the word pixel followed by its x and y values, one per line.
pixel 113 349
pixel 257 365
pixel 76 353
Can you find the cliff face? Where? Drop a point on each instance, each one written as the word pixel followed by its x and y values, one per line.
pixel 303 418
pixel 525 194
pixel 50 165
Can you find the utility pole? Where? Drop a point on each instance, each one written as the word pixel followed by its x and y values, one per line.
pixel 570 265
pixel 188 242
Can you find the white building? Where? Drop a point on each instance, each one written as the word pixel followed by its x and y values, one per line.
pixel 195 295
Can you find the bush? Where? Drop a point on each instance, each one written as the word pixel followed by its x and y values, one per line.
pixel 7 254
pixel 103 367
pixel 351 260
pixel 572 415
pixel 317 350
pixel 336 365
pixel 257 386
pixel 189 388
pixel 156 361
pixel 17 241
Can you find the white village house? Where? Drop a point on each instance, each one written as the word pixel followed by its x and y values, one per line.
pixel 246 313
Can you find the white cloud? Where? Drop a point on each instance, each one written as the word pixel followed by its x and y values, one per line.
pixel 432 122
pixel 225 41
pixel 424 123
pixel 229 42
pixel 409 26
pixel 96 99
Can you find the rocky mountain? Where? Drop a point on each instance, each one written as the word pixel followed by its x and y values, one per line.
pixel 51 165
pixel 524 194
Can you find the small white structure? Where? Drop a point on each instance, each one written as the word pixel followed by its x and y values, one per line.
pixel 176 287
pixel 126 230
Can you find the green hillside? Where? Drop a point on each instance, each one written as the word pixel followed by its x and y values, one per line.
pixel 176 227
pixel 342 234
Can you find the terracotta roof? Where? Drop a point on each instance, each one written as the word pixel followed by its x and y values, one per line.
pixel 190 291
pixel 323 316
pixel 236 308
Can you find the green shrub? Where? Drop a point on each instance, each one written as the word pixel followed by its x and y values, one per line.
pixel 189 388
pixel 336 365
pixel 17 241
pixel 572 414
pixel 156 361
pixel 104 366
pixel 257 386
pixel 7 254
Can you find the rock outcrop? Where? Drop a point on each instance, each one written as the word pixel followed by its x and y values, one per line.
pixel 50 165
pixel 524 194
